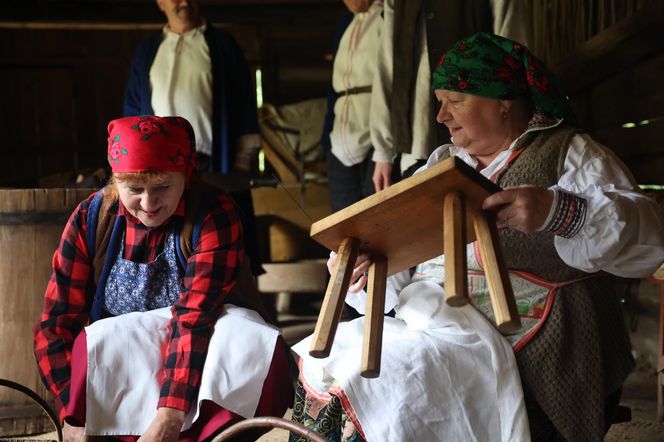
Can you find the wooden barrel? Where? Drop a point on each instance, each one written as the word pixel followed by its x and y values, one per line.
pixel 31 223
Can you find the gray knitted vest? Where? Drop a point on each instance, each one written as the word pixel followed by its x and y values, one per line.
pixel 582 352
pixel 540 164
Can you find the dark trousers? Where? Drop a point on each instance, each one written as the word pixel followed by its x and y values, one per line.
pixel 348 185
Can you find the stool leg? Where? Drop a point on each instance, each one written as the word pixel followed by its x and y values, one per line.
pixel 454 248
pixel 374 318
pixel 333 303
pixel 500 288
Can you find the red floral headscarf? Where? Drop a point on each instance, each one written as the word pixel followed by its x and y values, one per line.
pixel 151 144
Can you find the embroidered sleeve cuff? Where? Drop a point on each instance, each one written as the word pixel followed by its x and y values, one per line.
pixel 569 214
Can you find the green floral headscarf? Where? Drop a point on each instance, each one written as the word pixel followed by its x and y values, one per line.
pixel 495 67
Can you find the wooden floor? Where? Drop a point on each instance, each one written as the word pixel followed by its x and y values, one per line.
pixel 639 394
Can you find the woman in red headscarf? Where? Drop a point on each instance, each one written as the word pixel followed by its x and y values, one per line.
pixel 139 330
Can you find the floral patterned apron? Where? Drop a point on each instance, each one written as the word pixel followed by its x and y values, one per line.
pixel 139 287
pixel 534 295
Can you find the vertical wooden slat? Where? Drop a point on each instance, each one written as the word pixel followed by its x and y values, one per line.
pixel 26 251
pixel 46 238
pixel 17 293
pixel 660 358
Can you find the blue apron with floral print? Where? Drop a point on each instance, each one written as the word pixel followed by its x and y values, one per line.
pixel 139 287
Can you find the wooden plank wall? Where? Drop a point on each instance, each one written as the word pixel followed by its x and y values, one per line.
pixel 60 89
pixel 64 67
pixel 616 78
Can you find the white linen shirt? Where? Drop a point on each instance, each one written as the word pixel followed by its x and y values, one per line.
pixel 354 66
pixel 181 82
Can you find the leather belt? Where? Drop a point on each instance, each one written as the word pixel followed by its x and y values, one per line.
pixel 355 90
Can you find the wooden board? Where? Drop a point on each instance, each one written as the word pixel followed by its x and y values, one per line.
pixel 309 276
pixel 283 226
pixel 404 222
pixel 31 224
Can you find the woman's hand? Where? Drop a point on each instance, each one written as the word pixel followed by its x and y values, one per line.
pixel 165 427
pixel 74 434
pixel 524 208
pixel 359 277
pixel 382 176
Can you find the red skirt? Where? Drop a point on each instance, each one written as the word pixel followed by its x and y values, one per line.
pixel 276 396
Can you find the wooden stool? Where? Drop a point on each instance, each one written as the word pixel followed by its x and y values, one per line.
pixel 408 223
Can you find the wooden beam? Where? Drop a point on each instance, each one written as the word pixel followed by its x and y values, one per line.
pixel 308 276
pixel 633 95
pixel 647 169
pixel 613 50
pixel 293 12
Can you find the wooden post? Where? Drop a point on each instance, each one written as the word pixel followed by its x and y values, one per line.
pixel 374 318
pixel 500 288
pixel 660 359
pixel 454 245
pixel 333 303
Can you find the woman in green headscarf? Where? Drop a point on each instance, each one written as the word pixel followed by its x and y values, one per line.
pixel 570 214
pixel 570 211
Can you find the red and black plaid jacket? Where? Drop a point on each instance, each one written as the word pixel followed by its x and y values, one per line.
pixel 211 272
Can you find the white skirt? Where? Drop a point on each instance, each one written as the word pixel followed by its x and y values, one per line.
pixel 125 361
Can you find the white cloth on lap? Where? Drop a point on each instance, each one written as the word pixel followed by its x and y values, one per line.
pixel 444 371
pixel 125 361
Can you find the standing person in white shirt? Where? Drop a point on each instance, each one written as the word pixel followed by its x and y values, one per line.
pixel 197 71
pixel 349 164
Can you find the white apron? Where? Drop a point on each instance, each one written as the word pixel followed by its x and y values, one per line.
pixel 125 360
pixel 446 374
